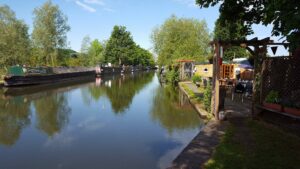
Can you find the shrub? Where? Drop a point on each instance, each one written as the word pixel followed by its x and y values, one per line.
pixel 2 73
pixel 272 97
pixel 196 78
pixel 172 76
pixel 207 97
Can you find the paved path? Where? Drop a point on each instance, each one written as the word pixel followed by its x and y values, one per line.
pixel 194 88
pixel 200 149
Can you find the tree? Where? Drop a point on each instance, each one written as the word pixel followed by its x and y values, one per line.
pixel 120 47
pixel 143 57
pixel 49 31
pixel 181 38
pixel 282 14
pixel 91 52
pixel 95 52
pixel 83 56
pixel 14 39
pixel 225 31
pixel 85 44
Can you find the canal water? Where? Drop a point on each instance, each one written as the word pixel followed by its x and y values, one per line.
pixel 115 122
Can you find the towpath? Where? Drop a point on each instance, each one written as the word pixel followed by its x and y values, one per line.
pixel 201 148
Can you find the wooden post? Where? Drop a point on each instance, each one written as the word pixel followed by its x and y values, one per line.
pixel 215 83
pixel 259 56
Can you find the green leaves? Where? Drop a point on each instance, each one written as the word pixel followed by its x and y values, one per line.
pixel 14 39
pixel 121 49
pixel 49 31
pixel 181 38
pixel 283 14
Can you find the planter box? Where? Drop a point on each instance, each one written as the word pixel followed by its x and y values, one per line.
pixel 292 111
pixel 273 106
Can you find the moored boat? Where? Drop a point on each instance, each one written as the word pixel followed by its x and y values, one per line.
pixel 22 76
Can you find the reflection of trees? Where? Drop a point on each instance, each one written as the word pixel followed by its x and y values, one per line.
pixel 123 90
pixel 96 92
pixel 14 116
pixel 52 112
pixel 170 113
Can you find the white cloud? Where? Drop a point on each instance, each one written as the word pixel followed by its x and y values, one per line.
pixel 190 3
pixel 89 5
pixel 86 7
pixel 98 2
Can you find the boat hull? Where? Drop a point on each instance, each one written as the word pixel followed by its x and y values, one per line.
pixel 15 81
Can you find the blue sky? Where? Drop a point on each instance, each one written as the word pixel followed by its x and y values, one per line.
pixel 96 18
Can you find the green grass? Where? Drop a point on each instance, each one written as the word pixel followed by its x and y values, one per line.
pixel 256 145
pixel 189 91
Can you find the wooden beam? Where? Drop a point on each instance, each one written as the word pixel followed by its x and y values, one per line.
pixel 254 39
pixel 250 50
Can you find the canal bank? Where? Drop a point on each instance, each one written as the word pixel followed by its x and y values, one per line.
pixel 192 92
pixel 201 148
pixel 239 142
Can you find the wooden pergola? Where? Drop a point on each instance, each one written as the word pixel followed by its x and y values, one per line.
pixel 259 53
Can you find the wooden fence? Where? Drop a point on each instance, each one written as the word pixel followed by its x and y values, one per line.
pixel 282 74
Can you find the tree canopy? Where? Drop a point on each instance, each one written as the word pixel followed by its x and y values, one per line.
pixel 95 52
pixel 282 14
pixel 121 49
pixel 49 31
pixel 226 31
pixel 14 39
pixel 181 38
pixel 120 46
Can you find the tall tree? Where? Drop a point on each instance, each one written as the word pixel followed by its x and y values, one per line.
pixel 49 31
pixel 143 57
pixel 85 44
pixel 225 31
pixel 95 52
pixel 282 14
pixel 120 47
pixel 14 39
pixel 181 38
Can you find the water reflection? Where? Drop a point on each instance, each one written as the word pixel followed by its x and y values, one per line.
pixel 52 113
pixel 120 89
pixel 173 112
pixel 63 126
pixel 14 116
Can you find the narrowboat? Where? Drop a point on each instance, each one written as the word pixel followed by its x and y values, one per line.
pixel 23 76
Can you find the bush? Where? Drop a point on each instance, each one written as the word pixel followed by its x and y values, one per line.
pixel 196 78
pixel 172 76
pixel 207 98
pixel 2 73
pixel 272 97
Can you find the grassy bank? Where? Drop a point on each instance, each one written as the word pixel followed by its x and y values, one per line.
pixel 196 99
pixel 256 145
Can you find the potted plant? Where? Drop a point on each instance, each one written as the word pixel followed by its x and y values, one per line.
pixel 272 101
